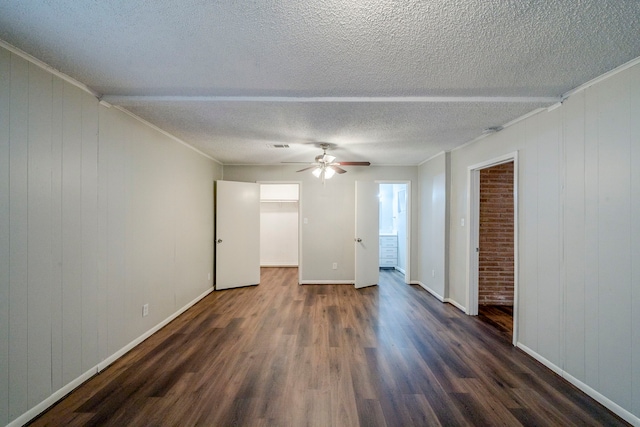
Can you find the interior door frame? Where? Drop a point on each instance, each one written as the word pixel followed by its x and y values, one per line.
pixel 300 261
pixel 407 274
pixel 473 234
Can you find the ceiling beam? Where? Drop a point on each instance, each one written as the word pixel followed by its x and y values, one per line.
pixel 134 99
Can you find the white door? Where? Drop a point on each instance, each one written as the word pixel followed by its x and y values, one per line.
pixel 366 239
pixel 237 234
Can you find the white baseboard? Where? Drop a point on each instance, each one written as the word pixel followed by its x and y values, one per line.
pixel 440 297
pixel 327 282
pixel 428 289
pixel 69 387
pixel 118 354
pixel 53 398
pixel 278 264
pixel 603 400
pixel 72 385
pixel 456 305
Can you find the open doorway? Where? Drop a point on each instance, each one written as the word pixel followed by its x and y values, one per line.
pixel 279 224
pixel 493 244
pixel 394 226
pixel 495 259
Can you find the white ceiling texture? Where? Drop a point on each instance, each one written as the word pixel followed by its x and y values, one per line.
pixel 391 82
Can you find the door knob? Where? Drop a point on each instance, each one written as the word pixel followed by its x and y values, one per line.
pixel 219 241
pixel 357 239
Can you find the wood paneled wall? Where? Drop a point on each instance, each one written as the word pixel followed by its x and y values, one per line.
pixel 433 187
pixel 578 195
pixel 99 214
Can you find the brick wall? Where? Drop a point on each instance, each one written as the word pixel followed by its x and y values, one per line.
pixel 495 278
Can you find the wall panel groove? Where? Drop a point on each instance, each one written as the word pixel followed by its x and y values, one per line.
pixel 39 235
pixel 18 237
pixel 634 192
pixel 55 279
pixel 5 226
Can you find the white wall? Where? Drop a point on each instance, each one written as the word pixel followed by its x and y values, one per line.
pixel 279 225
pixel 330 210
pixel 99 214
pixel 387 213
pixel 402 240
pixel 279 234
pixel 401 223
pixel 433 233
pixel 579 192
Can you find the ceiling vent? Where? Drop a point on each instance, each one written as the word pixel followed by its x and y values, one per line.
pixel 278 145
pixel 492 129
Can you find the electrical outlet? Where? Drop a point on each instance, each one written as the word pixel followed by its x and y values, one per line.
pixel 209 276
pixel 145 310
pixel 433 273
pixel 335 266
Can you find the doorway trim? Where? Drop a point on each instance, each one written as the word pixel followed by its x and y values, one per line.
pixel 409 197
pixel 473 234
pixel 299 183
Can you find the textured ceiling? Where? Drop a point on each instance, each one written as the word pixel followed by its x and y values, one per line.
pixel 226 76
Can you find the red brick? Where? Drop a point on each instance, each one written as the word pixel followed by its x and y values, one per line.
pixel 496 235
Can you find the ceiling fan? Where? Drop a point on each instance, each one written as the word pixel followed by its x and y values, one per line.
pixel 325 166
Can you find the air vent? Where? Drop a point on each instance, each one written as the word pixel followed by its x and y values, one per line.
pixel 278 145
pixel 492 129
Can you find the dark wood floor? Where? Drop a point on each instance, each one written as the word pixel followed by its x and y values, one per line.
pixel 498 316
pixel 280 354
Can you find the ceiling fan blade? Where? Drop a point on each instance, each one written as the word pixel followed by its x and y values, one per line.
pixel 325 165
pixel 353 163
pixel 306 169
pixel 337 169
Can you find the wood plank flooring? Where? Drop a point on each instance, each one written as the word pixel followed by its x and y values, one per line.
pixel 281 354
pixel 498 316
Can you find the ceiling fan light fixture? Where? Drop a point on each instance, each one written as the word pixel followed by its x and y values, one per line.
pixel 323 172
pixel 325 165
pixel 329 172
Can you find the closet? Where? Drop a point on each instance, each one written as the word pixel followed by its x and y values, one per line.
pixel 279 226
